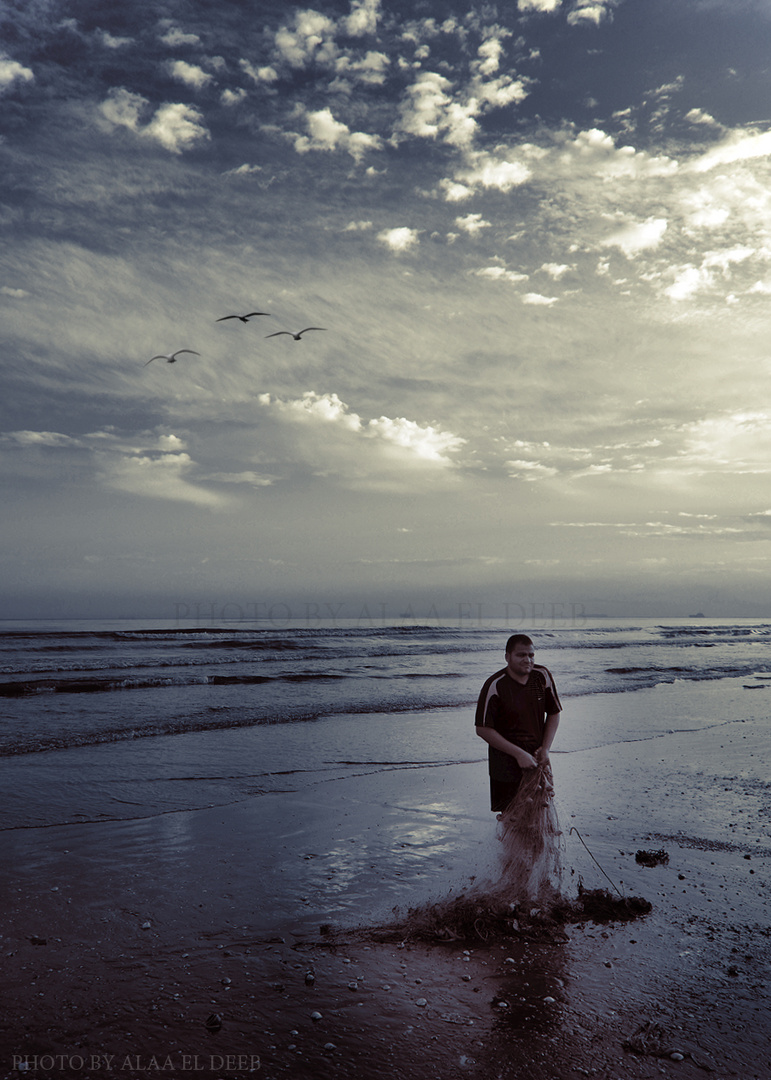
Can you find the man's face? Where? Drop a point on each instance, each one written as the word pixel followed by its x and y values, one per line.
pixel 520 660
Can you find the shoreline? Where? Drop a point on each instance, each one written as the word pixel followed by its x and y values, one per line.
pixel 123 938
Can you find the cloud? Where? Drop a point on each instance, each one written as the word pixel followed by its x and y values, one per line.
pixel 365 451
pixel 176 127
pixel 175 36
pixel 555 270
pixel 637 237
pixel 590 11
pixel 12 71
pixel 39 438
pixel 264 74
pixel 529 470
pixel 547 6
pixel 370 69
pixel 500 273
pixel 737 146
pixel 189 74
pixel 232 97
pixel 472 223
pixel 18 294
pixel 690 280
pixel 309 39
pixel 538 300
pixel 430 109
pixel 698 116
pixel 327 133
pixel 151 464
pixel 363 19
pixel 502 170
pixel 112 42
pixel 400 239
pixel 161 477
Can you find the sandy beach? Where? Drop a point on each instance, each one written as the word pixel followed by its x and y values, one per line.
pixel 250 937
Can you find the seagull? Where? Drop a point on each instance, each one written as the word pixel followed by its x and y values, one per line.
pixel 170 358
pixel 243 318
pixel 299 333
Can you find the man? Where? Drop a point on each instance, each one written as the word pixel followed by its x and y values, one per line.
pixel 517 715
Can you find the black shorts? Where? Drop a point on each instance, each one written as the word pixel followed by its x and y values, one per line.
pixel 502 792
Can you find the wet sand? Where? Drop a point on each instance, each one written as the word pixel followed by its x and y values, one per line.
pixel 120 940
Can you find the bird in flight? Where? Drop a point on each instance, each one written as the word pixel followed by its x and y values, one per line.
pixel 243 318
pixel 299 333
pixel 171 358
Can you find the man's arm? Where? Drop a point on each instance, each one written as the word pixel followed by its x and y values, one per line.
pixel 549 731
pixel 498 742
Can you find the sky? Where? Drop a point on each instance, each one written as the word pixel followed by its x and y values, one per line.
pixel 536 236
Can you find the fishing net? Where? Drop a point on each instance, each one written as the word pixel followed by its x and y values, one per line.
pixel 531 842
pixel 527 898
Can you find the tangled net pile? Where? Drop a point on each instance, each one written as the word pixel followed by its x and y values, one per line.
pixel 527 899
pixel 531 839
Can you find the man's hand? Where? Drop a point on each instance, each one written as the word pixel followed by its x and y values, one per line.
pixel 542 756
pixel 525 760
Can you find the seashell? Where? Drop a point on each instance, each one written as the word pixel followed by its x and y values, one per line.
pixel 316 1016
pixel 310 978
pixel 213 1022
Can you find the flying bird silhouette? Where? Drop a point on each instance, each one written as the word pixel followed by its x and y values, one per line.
pixel 299 333
pixel 243 318
pixel 171 358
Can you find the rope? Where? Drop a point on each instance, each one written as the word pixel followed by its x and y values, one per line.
pixel 573 829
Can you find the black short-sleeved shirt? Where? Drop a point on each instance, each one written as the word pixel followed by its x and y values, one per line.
pixel 518 711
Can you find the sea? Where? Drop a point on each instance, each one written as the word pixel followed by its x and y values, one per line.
pixel 104 720
pixel 125 741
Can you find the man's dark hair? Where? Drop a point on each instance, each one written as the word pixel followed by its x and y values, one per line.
pixel 517 639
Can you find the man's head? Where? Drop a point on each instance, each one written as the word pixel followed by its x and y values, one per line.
pixel 520 654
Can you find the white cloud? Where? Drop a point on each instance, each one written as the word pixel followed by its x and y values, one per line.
pixel 589 11
pixel 538 300
pixel 264 74
pixel 472 223
pixel 555 270
pixel 432 109
pixel 244 170
pixel 529 470
pixel 637 237
pixel 327 133
pixel 547 6
pixel 399 239
pixel 501 171
pixel 112 42
pixel 399 442
pixel 157 478
pixel 175 36
pixel 123 108
pixel 358 226
pixel 737 146
pixel 499 273
pixel 17 294
pixel 698 116
pixel 363 18
pixel 12 71
pixel 233 97
pixel 189 74
pixel 310 39
pixel 370 69
pixel 39 438
pixel 688 281
pixel 176 127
